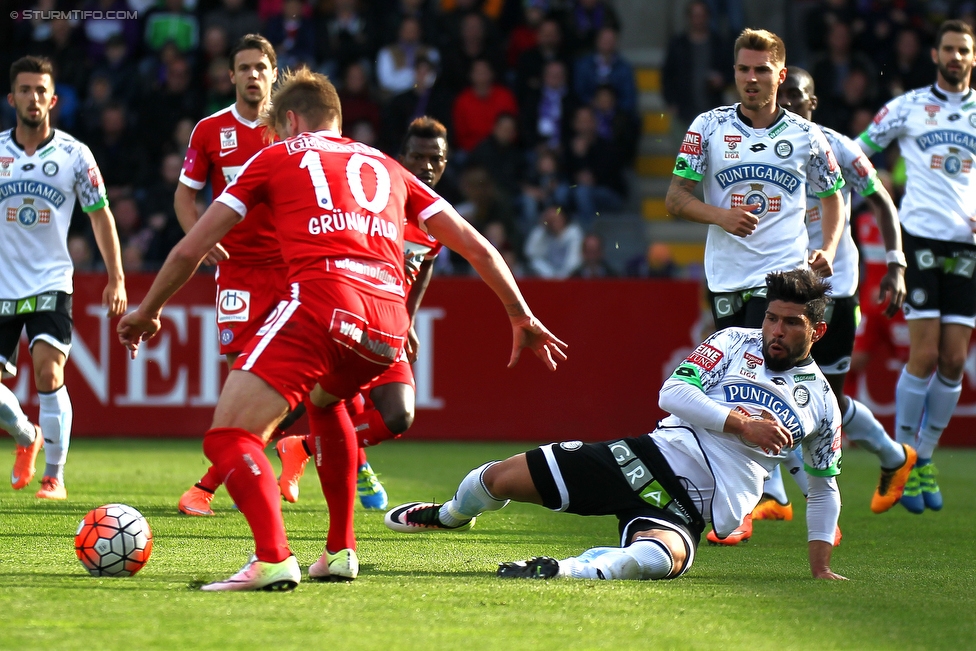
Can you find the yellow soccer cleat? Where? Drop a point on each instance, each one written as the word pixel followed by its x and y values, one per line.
pixel 770 509
pixel 891 485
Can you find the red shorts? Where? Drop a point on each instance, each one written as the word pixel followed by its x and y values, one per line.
pixel 245 297
pixel 327 333
pixel 400 372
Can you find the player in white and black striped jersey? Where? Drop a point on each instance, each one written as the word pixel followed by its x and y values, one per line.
pixel 936 132
pixel 754 161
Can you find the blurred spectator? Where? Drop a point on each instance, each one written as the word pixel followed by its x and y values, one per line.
pixel 727 16
pixel 910 67
pixel 822 15
pixel 65 112
pixel 547 113
pixel 220 89
pixel 524 36
pixel 476 109
pixel 132 258
pixel 343 36
pixel 164 107
pixel 90 114
pixel 121 71
pixel 80 250
pixel 586 18
pixel 363 131
pixel 129 223
pixel 594 169
pixel 292 34
pixel 164 228
pixel 496 234
pixel 554 247
pixel 390 18
pixel 61 46
pixel 484 204
pixel 606 66
pixel 427 97
pixel 593 265
pixel 500 155
pixel 622 129
pixel 181 137
pixel 472 44
pixel 213 46
pixel 394 65
pixel 172 23
pixel 655 263
pixel 540 188
pixel 697 68
pixel 528 69
pixel 357 100
pixel 235 17
pixel 98 28
pixel 119 153
pixel 830 72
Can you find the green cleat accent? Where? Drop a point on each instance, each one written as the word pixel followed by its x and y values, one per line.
pixel 911 499
pixel 931 495
pixel 372 495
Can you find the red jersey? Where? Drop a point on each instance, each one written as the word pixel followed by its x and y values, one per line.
pixel 418 246
pixel 219 147
pixel 339 206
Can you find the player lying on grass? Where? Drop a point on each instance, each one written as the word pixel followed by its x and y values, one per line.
pixel 739 404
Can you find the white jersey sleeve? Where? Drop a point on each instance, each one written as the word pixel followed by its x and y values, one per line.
pixel 89 185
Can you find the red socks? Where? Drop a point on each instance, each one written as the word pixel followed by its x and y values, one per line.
pixel 332 442
pixel 370 428
pixel 210 481
pixel 238 459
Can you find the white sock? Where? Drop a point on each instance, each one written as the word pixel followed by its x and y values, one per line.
pixel 470 500
pixel 55 421
pixel 794 465
pixel 863 428
pixel 643 559
pixel 774 487
pixel 909 404
pixel 13 419
pixel 942 397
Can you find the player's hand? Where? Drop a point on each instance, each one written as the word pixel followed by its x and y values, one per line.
pixel 135 328
pixel 821 263
pixel 528 332
pixel 739 221
pixel 215 255
pixel 893 288
pixel 412 345
pixel 766 434
pixel 114 298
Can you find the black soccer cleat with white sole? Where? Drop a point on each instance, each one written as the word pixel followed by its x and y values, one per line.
pixel 420 517
pixel 540 567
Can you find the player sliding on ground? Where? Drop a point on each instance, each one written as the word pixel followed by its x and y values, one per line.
pixel 739 404
pixel 339 207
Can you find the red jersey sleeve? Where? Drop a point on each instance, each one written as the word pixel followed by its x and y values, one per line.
pixel 422 202
pixel 196 163
pixel 250 188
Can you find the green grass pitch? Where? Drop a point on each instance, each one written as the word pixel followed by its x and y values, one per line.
pixel 911 585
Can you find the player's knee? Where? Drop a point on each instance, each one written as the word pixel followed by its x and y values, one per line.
pixel 667 540
pixel 952 364
pixel 399 420
pixel 48 378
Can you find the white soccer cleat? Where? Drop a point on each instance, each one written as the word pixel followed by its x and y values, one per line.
pixel 420 517
pixel 258 575
pixel 341 566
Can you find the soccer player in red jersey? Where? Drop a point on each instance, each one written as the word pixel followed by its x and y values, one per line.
pixel 339 209
pixel 251 274
pixel 390 398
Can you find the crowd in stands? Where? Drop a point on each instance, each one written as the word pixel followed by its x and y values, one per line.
pixel 540 105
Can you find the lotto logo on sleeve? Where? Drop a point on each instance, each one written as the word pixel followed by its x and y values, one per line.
pixel 95 177
pixel 691 145
pixel 233 305
pixel 353 332
pixel 705 357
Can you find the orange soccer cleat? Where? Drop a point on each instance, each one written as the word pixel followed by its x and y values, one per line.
pixel 51 489
pixel 291 451
pixel 196 501
pixel 891 485
pixel 24 465
pixel 742 533
pixel 770 509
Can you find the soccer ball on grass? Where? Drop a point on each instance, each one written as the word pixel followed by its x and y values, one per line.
pixel 113 540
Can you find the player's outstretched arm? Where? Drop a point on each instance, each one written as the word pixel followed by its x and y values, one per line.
pixel 823 509
pixel 892 285
pixel 107 238
pixel 527 331
pixel 182 261
pixel 414 299
pixel 832 221
pixel 185 206
pixel 682 202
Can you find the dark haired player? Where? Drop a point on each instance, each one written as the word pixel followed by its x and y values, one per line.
pixel 737 412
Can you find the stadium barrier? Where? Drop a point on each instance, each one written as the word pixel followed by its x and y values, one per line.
pixel 625 337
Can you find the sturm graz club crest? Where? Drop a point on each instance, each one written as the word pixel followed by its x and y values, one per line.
pixel 28 215
pixel 756 197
